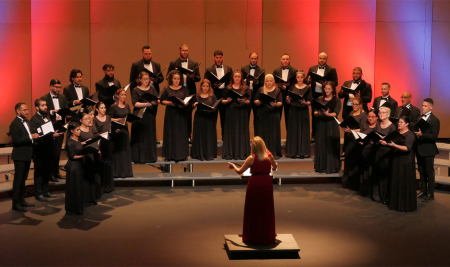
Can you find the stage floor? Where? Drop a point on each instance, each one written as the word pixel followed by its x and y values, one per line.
pixel 184 226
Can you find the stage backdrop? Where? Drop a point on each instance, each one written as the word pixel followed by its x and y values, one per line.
pixel 403 42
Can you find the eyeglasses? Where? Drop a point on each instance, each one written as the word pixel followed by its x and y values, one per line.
pixel 355 104
pixel 382 112
pixel 405 97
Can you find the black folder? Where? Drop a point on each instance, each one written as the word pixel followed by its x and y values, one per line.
pixel 215 79
pixel 400 112
pixel 94 139
pixel 179 101
pixel 131 117
pixel 316 77
pixel 112 89
pixel 234 95
pixel 330 105
pixel 59 127
pixel 139 112
pixel 208 107
pixel 298 97
pixel 151 74
pixel 88 102
pixel 422 125
pixel 147 97
pixel 88 150
pixel 94 97
pixel 395 137
pixel 64 112
pixel 350 122
pixel 266 99
pixel 349 90
pixel 374 136
pixel 253 78
pixel 289 81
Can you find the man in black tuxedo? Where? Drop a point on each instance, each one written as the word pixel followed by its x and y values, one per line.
pixel 75 91
pixel 414 116
pixel 385 99
pixel 42 152
pixel 22 138
pixel 287 73
pixel 362 88
pixel 254 70
pixel 188 80
pixel 107 97
pixel 217 71
pixel 147 63
pixel 426 150
pixel 329 74
pixel 56 101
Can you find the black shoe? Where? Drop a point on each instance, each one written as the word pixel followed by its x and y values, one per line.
pixel 41 198
pixel 428 198
pixel 26 204
pixel 53 179
pixel 58 176
pixel 312 140
pixel 421 194
pixel 19 208
pixel 48 195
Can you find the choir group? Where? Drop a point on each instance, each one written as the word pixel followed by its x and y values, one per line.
pixel 380 142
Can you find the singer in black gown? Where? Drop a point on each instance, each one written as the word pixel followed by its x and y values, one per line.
pixel 75 195
pixel 403 179
pixel 327 145
pixel 176 130
pixel 383 160
pixel 204 138
pixel 268 116
pixel 143 131
pixel 120 137
pixel 367 158
pixel 102 123
pixel 236 139
pixel 353 150
pixel 298 142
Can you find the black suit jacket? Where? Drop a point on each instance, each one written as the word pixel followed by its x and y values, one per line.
pixel 218 92
pixel 279 72
pixel 426 144
pixel 43 146
pixel 392 104
pixel 103 95
pixel 246 72
pixel 365 92
pixel 330 74
pixel 22 144
pixel 138 66
pixel 71 94
pixel 414 116
pixel 62 104
pixel 190 83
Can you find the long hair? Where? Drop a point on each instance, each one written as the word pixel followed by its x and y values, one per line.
pixel 259 148
pixel 265 82
pixel 72 125
pixel 333 85
pixel 142 74
pixel 210 91
pixel 241 86
pixel 171 74
pixel 116 95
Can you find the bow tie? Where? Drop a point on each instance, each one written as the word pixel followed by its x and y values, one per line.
pixel 357 82
pixel 54 97
pixel 146 61
pixel 23 120
pixel 219 67
pixel 77 85
pixel 285 68
pixel 321 68
pixel 385 98
pixel 110 81
pixel 184 60
pixel 252 67
pixel 425 115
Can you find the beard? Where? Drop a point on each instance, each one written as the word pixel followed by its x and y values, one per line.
pixel 109 78
pixel 43 113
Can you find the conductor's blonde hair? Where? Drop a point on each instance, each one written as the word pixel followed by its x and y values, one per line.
pixel 259 148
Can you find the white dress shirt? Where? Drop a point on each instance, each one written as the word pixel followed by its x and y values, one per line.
pixel 184 65
pixel 318 88
pixel 79 91
pixel 220 73
pixel 426 116
pixel 26 127
pixel 351 96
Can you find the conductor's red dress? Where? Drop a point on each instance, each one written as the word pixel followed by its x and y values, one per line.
pixel 259 211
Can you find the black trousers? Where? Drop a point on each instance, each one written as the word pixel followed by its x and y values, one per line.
pixel 426 170
pixel 57 145
pixel 42 174
pixel 21 170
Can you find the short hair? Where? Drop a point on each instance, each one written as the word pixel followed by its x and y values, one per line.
pixel 218 53
pixel 372 111
pixel 386 109
pixel 145 47
pixel 250 55
pixel 18 105
pixel 332 84
pixel 210 91
pixel 429 100
pixel 183 45
pixel 286 54
pixel 116 95
pixel 108 66
pixel 142 74
pixel 74 74
pixel 358 68
pixel 406 119
pixel 171 74
pixel 54 81
pixel 385 83
pixel 357 98
pixel 38 101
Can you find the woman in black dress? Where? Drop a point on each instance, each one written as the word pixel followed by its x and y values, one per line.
pixel 143 131
pixel 353 149
pixel 91 172
pixel 236 134
pixel 268 116
pixel 383 159
pixel 102 123
pixel 204 141
pixel 326 149
pixel 75 196
pixel 298 142
pixel 176 130
pixel 120 137
pixel 403 182
pixel 367 159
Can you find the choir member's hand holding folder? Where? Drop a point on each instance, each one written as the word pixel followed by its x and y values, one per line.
pixel 324 107
pixel 283 84
pixel 216 82
pixel 180 102
pixel 266 99
pixel 45 129
pixel 153 76
pixel 297 97
pixel 373 137
pixel 394 137
pixel 148 98
pixel 349 122
pixel 187 71
pixel 348 90
pixel 251 78
pixel 421 125
pixel 208 107
pixel 316 77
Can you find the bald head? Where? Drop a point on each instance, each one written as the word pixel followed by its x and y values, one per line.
pixel 323 57
pixel 406 98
